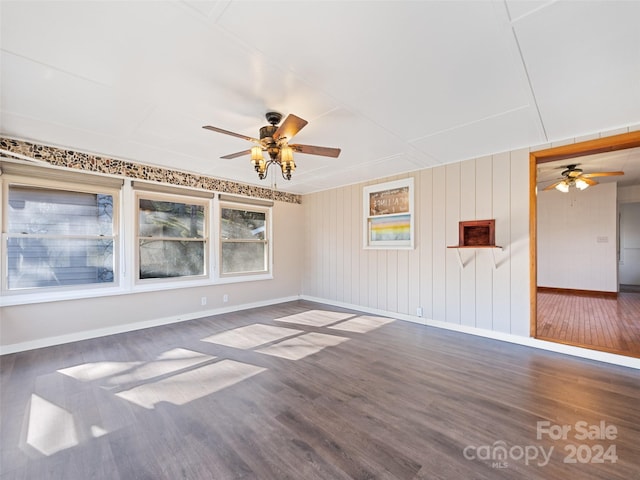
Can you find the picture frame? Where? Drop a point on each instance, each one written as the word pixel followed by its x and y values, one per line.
pixel 388 219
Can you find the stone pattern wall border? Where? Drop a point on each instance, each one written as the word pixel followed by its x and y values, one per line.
pixel 94 163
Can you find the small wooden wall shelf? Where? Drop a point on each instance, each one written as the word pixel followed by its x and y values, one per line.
pixel 476 234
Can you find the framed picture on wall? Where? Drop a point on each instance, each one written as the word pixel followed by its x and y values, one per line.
pixel 388 215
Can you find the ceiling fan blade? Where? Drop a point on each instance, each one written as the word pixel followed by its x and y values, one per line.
pixel 237 154
pixel 313 150
pixel 588 181
pixel 289 127
pixel 552 186
pixel 233 134
pixel 601 174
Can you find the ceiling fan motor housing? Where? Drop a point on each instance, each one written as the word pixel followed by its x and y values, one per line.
pixel 572 171
pixel 273 117
pixel 267 131
pixel 268 143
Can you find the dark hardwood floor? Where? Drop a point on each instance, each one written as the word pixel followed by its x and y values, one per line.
pixel 592 321
pixel 305 391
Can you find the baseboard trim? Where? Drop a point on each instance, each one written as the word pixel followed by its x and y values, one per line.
pixel 130 327
pixel 582 293
pixel 574 351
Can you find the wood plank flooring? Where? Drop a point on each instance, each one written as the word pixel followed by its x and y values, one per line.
pixel 304 391
pixel 597 322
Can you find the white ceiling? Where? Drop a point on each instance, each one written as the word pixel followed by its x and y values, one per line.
pixel 397 85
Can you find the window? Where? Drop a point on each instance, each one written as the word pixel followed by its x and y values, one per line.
pixel 172 237
pixel 57 238
pixel 244 236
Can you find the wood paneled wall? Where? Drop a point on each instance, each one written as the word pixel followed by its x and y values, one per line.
pixel 339 269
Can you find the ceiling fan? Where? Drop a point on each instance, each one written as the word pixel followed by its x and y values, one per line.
pixel 274 140
pixel 574 176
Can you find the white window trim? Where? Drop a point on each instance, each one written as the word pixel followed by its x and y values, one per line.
pixel 125 234
pixel 28 295
pixel 195 280
pixel 225 202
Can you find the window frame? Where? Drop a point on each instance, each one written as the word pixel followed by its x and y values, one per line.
pixel 268 241
pixel 125 192
pixel 45 293
pixel 206 238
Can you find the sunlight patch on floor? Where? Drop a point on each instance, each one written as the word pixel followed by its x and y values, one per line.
pixel 191 385
pixel 251 336
pixel 166 363
pixel 97 432
pixel 362 324
pixel 88 372
pixel 51 428
pixel 315 318
pixel 302 346
pixel 127 372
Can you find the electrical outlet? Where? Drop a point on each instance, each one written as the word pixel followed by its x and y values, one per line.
pixel 203 301
pixel 419 311
pixel 225 298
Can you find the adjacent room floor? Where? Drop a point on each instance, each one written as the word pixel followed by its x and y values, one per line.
pixel 597 322
pixel 305 391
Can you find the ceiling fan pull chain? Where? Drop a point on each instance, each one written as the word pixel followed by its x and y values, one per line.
pixel 274 183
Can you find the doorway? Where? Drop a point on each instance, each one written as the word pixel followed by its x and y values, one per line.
pixel 606 319
pixel 629 273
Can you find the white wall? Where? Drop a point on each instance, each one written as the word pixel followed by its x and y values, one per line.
pixel 33 325
pixel 338 269
pixel 577 239
pixel 629 194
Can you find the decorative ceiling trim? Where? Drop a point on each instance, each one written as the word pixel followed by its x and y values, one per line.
pixel 93 163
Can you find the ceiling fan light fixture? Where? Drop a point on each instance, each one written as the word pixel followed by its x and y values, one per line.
pixel 256 155
pixel 286 161
pixel 581 184
pixel 563 187
pixel 287 170
pixel 286 154
pixel 261 168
